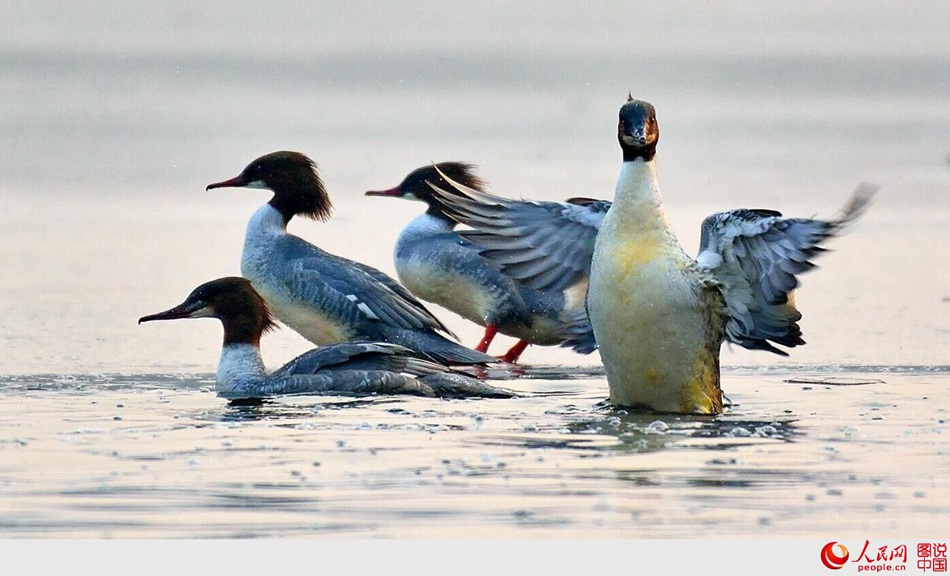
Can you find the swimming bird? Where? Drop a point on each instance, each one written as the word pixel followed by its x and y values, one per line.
pixel 660 316
pixel 358 368
pixel 327 298
pixel 440 265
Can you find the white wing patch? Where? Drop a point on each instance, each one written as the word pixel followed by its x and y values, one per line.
pixel 364 308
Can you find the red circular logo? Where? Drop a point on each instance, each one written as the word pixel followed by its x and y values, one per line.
pixel 832 560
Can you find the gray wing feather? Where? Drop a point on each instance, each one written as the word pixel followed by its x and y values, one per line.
pixel 355 291
pixel 544 245
pixel 382 355
pixel 755 257
pixel 362 368
pixel 345 382
pixel 454 385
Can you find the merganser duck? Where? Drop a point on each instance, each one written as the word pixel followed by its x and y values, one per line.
pixel 358 368
pixel 440 265
pixel 324 297
pixel 659 316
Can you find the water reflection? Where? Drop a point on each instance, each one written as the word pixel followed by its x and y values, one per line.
pixel 645 432
pixel 282 409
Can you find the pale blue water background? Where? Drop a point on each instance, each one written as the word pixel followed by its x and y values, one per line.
pixel 116 115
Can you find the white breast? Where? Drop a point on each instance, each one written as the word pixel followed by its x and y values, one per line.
pixel 240 366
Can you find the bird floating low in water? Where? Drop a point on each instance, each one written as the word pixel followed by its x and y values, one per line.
pixel 349 368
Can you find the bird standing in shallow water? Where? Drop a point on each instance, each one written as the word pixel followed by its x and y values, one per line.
pixel 347 368
pixel 659 316
pixel 513 297
pixel 326 298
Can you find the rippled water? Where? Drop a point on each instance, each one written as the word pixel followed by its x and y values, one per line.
pixel 118 116
pixel 798 453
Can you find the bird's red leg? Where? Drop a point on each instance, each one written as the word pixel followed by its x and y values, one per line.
pixel 512 355
pixel 490 332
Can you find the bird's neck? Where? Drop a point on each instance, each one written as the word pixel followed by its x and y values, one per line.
pixel 240 365
pixel 264 228
pixel 266 221
pixel 638 205
pixel 425 226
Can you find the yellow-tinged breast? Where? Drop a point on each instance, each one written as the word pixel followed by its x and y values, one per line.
pixel 652 325
pixel 461 295
pixel 308 321
pixel 638 252
pixel 312 323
